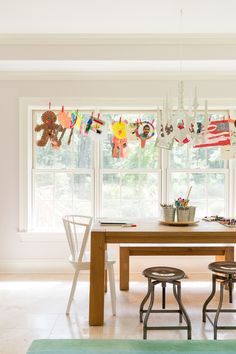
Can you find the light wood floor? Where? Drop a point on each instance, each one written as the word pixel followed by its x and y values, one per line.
pixel 33 307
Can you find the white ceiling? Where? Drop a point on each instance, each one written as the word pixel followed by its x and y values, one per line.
pixel 112 16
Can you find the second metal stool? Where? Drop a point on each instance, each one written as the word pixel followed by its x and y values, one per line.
pixel 163 275
pixel 227 279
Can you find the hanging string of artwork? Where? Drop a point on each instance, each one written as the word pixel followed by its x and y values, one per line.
pixel 181 128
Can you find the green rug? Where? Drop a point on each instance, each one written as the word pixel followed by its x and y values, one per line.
pixel 116 346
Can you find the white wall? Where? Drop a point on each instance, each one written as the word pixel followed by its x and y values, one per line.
pixel 19 256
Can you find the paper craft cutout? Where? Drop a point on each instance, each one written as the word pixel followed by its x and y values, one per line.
pixel 78 122
pixel 64 118
pixel 217 134
pixel 145 131
pixel 50 130
pixel 180 129
pixel 119 129
pixel 165 136
pixel 73 120
pixel 131 131
pixel 232 131
pixel 119 147
pixel 119 139
pixel 95 127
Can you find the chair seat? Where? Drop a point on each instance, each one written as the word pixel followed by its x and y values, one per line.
pixel 223 267
pixel 164 273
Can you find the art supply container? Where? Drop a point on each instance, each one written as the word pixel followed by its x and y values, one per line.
pixel 168 214
pixel 192 210
pixel 182 214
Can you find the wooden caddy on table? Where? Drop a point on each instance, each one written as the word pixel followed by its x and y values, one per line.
pixel 221 253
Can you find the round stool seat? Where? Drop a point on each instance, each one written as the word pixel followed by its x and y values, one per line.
pixel 223 267
pixel 164 273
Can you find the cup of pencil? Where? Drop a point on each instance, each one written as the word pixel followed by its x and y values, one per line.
pixel 185 212
pixel 168 212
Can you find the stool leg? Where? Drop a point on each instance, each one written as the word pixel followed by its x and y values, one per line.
pixel 182 309
pixel 144 301
pixel 163 284
pixel 222 284
pixel 209 298
pixel 179 297
pixel 230 288
pixel 148 312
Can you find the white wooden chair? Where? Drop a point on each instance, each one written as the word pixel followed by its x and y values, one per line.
pixel 77 229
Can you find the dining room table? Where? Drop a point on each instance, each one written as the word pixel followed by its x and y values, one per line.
pixel 144 231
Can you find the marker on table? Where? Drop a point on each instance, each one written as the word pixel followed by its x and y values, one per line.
pixel 129 225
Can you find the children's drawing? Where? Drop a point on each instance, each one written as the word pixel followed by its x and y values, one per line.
pixel 131 131
pixel 165 135
pixel 145 131
pixel 217 134
pixel 119 139
pixel 95 127
pixel 50 130
pixel 180 129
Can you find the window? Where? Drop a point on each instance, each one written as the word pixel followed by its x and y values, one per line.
pixel 202 169
pixel 130 187
pixel 84 178
pixel 62 180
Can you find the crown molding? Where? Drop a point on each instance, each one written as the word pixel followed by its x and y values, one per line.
pixel 117 76
pixel 116 39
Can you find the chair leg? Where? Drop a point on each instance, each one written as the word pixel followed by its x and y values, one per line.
pixel 72 291
pixel 105 277
pixel 111 275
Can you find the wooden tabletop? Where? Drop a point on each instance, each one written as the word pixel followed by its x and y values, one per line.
pixel 154 231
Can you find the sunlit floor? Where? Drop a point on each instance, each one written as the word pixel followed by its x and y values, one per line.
pixel 33 307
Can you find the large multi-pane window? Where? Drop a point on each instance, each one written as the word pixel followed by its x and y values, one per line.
pixel 84 178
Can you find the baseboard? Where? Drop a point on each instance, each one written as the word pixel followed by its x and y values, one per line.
pixel 137 265
pixel 20 266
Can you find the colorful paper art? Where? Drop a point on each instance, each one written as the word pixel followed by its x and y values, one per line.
pixel 78 123
pixel 165 136
pixel 131 131
pixel 119 139
pixel 217 134
pixel 96 126
pixel 145 131
pixel 180 127
pixel 50 130
pixel 73 120
pixel 119 129
pixel 64 118
pixel 232 131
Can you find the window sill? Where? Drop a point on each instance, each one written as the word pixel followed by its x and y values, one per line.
pixel 30 236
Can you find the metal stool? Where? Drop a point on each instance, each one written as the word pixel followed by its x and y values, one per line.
pixel 163 275
pixel 228 269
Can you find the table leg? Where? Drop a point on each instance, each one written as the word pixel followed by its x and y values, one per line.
pixel 97 279
pixel 124 268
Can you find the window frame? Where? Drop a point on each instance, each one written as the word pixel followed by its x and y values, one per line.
pixel 26 108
